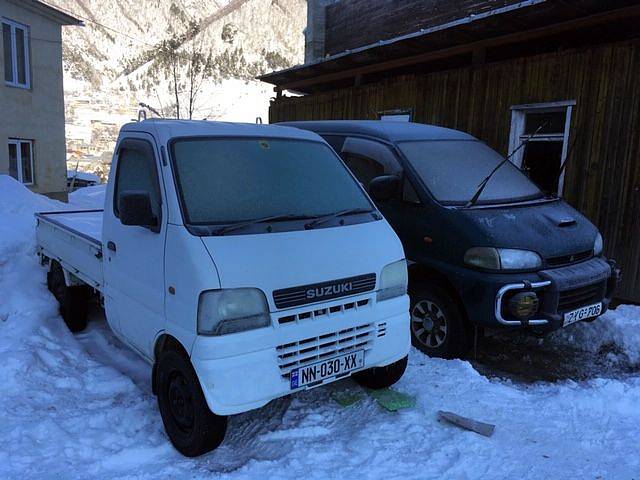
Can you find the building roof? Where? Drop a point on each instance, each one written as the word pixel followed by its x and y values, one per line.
pixel 385 130
pixel 170 128
pixel 53 13
pixel 526 21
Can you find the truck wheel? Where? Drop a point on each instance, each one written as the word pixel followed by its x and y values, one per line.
pixel 192 428
pixel 74 301
pixel 381 377
pixel 437 325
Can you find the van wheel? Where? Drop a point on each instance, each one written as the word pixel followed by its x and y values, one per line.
pixel 381 377
pixel 192 428
pixel 437 324
pixel 74 301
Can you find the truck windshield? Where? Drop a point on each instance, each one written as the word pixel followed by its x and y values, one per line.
pixel 230 180
pixel 452 170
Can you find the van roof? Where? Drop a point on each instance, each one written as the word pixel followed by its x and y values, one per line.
pixel 170 128
pixel 386 130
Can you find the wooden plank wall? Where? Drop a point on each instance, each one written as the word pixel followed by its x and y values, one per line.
pixel 603 177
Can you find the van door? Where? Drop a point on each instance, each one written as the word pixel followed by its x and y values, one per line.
pixel 134 255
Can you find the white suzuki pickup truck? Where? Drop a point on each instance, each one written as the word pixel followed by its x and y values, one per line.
pixel 243 262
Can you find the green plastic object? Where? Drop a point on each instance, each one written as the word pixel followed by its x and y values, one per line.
pixel 393 400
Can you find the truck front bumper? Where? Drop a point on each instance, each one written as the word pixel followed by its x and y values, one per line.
pixel 244 371
pixel 560 290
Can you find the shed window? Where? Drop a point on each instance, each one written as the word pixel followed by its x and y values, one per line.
pixel 21 160
pixel 15 45
pixel 544 128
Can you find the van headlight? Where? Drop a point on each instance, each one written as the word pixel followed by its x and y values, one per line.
pixel 221 312
pixel 598 245
pixel 491 258
pixel 393 280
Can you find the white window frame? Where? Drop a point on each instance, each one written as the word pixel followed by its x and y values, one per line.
pixel 18 143
pixel 517 135
pixel 14 54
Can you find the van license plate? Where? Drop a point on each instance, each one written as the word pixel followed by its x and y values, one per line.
pixel 582 313
pixel 326 368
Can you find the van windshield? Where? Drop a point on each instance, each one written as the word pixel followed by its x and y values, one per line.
pixel 230 180
pixel 452 170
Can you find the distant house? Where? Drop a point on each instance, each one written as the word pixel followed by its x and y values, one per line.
pixel 497 69
pixel 32 137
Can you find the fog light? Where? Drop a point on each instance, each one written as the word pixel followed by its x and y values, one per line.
pixel 524 305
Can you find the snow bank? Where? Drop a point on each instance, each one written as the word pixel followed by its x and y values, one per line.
pixel 617 331
pixel 80 406
pixel 88 197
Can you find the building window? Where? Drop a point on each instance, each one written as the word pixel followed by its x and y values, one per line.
pixel 399 115
pixel 21 160
pixel 15 41
pixel 544 127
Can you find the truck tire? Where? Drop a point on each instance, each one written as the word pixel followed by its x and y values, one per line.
pixel 74 301
pixel 438 327
pixel 381 377
pixel 192 428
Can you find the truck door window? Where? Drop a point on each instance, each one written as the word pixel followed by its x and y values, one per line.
pixel 368 159
pixel 408 192
pixel 137 171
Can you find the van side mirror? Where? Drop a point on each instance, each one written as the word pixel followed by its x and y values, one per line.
pixel 384 187
pixel 135 210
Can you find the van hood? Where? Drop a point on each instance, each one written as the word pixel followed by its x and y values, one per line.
pixel 551 229
pixel 273 261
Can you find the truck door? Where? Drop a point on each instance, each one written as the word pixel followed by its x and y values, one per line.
pixel 134 255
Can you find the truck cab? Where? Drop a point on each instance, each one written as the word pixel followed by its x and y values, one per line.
pixel 514 257
pixel 238 261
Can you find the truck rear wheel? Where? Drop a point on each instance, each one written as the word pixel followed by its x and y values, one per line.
pixel 381 377
pixel 192 428
pixel 74 301
pixel 438 327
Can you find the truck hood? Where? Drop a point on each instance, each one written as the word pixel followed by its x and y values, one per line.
pixel 551 229
pixel 272 261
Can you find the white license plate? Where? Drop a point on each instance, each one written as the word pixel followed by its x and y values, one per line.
pixel 582 313
pixel 326 368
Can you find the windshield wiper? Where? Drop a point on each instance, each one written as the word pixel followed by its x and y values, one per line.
pixel 341 213
pixel 272 218
pixel 484 182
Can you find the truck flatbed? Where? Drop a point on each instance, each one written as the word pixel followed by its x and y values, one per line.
pixel 73 238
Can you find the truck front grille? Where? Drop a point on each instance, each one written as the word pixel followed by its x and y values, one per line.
pixel 320 292
pixel 311 350
pixel 568 259
pixel 579 297
pixel 324 311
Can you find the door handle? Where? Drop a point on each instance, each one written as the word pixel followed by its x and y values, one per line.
pixel 111 246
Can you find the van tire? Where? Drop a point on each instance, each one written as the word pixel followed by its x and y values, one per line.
pixel 192 428
pixel 450 335
pixel 74 301
pixel 381 377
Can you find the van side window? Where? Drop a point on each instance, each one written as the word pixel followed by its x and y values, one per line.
pixel 137 171
pixel 365 169
pixel 408 192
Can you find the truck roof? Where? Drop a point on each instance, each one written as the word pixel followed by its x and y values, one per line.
pixel 170 128
pixel 386 130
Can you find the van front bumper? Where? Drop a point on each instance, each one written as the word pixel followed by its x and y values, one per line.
pixel 559 290
pixel 236 375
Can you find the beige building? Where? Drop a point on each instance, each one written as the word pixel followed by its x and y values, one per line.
pixel 32 137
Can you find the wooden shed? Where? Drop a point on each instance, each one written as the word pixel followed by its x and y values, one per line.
pixel 495 69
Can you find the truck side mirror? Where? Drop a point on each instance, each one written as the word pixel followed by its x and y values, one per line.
pixel 384 187
pixel 135 209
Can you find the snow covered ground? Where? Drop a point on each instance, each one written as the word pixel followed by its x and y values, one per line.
pixel 80 406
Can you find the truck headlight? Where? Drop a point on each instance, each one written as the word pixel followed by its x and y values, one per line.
pixel 598 245
pixel 231 311
pixel 491 258
pixel 393 280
